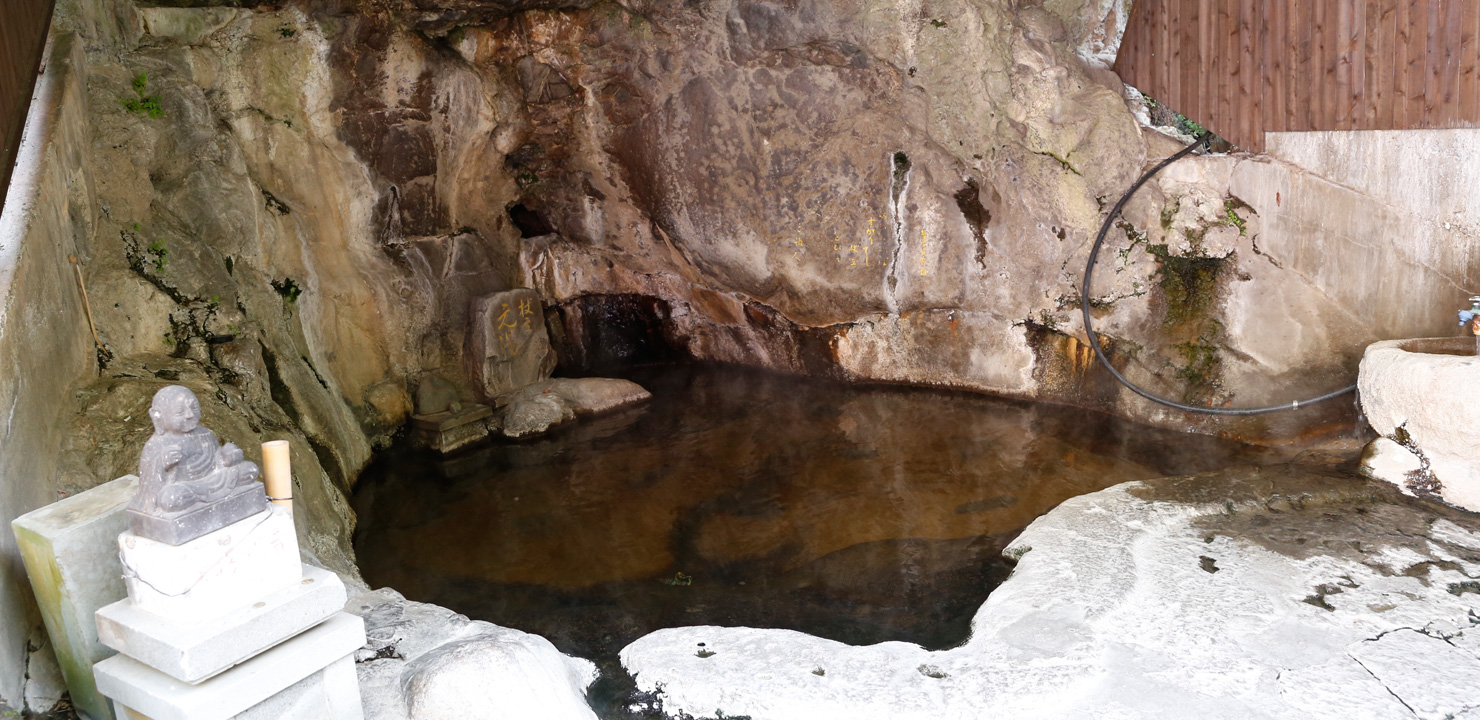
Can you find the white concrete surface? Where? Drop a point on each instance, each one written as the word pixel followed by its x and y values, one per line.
pixel 68 547
pixel 238 691
pixel 215 574
pixel 1113 613
pixel 45 346
pixel 193 653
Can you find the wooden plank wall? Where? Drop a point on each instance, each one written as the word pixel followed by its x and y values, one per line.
pixel 1245 67
pixel 23 26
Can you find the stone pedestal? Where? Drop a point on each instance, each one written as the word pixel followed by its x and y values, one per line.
pixel 68 547
pixel 196 522
pixel 311 675
pixel 229 625
pixel 215 574
pixel 193 653
pixel 448 431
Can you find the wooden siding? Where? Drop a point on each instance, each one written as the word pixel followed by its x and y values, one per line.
pixel 23 25
pixel 1245 67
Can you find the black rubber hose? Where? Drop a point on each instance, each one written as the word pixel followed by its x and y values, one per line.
pixel 1094 342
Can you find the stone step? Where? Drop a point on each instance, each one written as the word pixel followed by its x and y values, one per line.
pixel 309 676
pixel 193 653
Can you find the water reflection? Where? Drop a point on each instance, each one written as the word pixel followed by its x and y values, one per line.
pixel 742 498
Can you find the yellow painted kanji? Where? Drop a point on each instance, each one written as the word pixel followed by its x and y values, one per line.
pixel 506 326
pixel 527 313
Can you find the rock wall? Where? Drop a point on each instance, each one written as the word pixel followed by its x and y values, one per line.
pixel 893 192
pixel 291 221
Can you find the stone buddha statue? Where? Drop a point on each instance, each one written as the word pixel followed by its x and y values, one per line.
pixel 189 484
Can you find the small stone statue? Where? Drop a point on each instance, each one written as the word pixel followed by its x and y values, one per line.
pixel 188 484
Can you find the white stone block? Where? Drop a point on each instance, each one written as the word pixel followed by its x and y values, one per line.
pixel 309 676
pixel 193 653
pixel 215 574
pixel 68 550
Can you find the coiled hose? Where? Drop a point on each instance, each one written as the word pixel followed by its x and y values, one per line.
pixel 1094 341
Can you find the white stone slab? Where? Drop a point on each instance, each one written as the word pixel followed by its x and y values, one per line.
pixel 238 691
pixel 215 574
pixel 69 554
pixel 193 653
pixel 329 694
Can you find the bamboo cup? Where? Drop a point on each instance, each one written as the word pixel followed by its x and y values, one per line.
pixel 277 472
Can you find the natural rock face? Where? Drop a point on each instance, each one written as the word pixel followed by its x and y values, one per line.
pixel 874 193
pixel 1258 593
pixel 331 197
pixel 425 662
pixel 293 239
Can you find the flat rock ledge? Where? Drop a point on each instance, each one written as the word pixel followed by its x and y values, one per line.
pixel 1281 592
pixel 429 663
pixel 537 407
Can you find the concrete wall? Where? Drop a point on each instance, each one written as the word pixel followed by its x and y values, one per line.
pixel 1386 222
pixel 45 344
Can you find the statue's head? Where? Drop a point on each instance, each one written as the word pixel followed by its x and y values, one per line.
pixel 175 409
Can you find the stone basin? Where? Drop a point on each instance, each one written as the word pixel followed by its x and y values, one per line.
pixel 1420 395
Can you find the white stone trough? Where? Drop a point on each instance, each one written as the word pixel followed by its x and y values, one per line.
pixel 1423 397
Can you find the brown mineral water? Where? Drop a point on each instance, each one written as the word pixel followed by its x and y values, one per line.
pixel 737 497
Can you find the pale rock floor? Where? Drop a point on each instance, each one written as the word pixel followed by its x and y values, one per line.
pixel 1285 592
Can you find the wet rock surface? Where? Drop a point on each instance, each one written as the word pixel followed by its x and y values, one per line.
pixel 537 407
pixel 429 663
pixel 1282 591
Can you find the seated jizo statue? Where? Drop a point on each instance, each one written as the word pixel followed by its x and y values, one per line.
pixel 189 484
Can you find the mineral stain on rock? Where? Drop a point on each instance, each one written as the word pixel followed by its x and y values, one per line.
pixel 978 217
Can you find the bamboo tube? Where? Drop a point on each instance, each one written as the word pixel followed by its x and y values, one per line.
pixel 277 472
pixel 85 304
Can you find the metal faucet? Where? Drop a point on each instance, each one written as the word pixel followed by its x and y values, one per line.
pixel 1471 317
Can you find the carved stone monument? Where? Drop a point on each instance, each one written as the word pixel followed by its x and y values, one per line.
pixel 508 347
pixel 189 484
pixel 222 618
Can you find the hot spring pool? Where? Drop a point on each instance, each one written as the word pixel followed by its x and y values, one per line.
pixel 737 497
